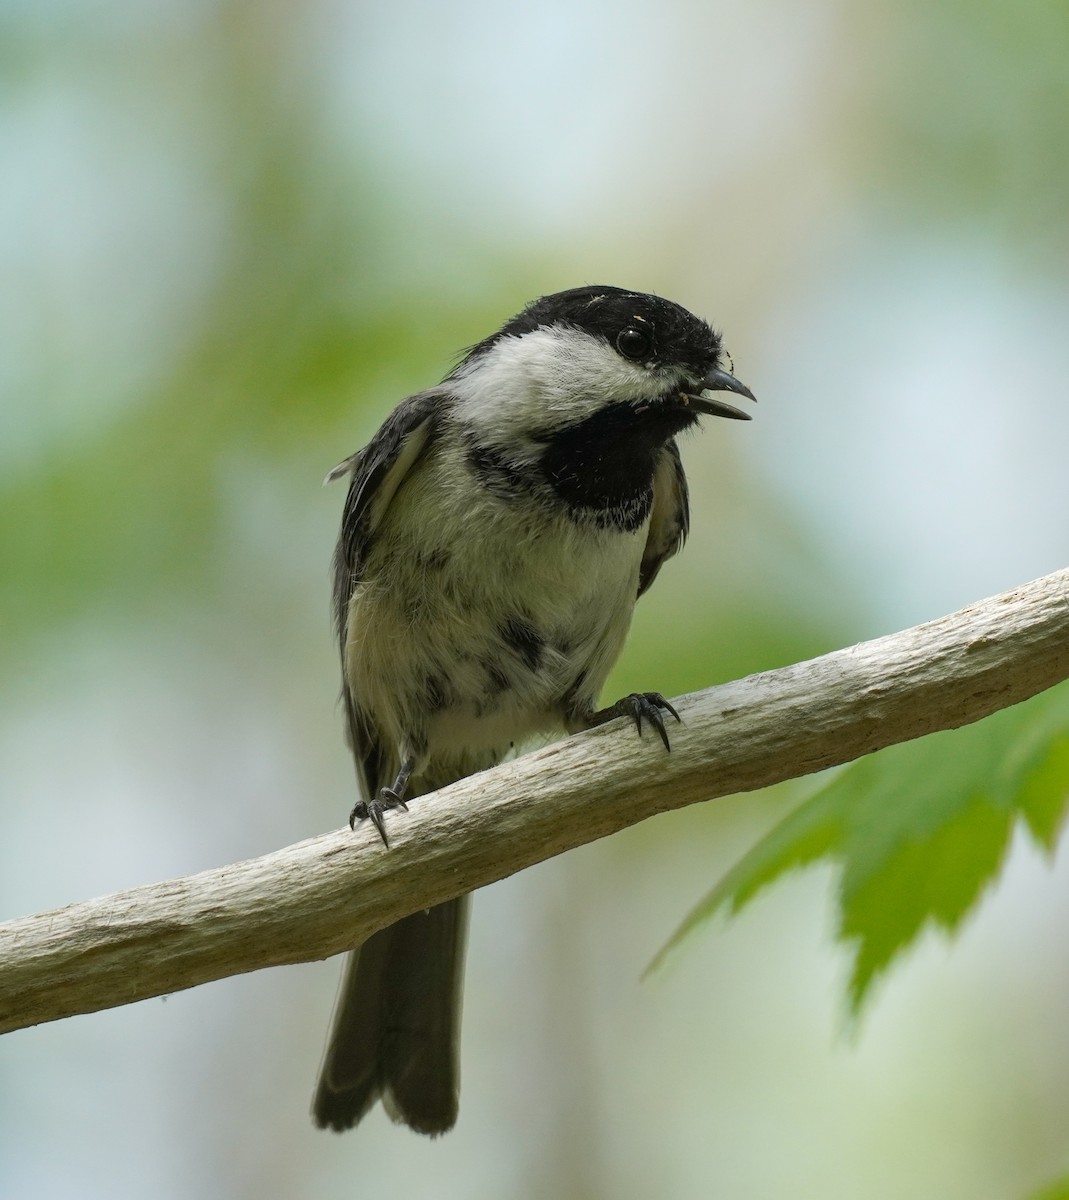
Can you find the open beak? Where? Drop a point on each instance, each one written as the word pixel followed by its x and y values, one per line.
pixel 717 380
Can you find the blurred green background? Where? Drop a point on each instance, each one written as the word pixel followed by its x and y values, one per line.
pixel 232 237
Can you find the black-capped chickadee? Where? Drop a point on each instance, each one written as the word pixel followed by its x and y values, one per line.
pixel 497 532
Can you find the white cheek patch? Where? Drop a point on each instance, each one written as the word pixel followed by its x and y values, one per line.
pixel 547 379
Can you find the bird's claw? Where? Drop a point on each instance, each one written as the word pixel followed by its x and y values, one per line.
pixel 647 706
pixel 383 802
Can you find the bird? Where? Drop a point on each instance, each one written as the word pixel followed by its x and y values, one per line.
pixel 497 531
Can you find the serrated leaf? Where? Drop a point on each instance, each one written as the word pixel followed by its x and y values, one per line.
pixel 1042 797
pixel 935 877
pixel 919 831
pixel 811 832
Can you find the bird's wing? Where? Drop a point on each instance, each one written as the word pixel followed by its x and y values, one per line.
pixel 669 517
pixel 376 472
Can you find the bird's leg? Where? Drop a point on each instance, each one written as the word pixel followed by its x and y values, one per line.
pixel 388 797
pixel 639 706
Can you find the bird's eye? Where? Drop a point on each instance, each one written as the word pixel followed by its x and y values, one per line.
pixel 633 343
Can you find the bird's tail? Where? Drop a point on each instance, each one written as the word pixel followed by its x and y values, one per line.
pixel 396 1028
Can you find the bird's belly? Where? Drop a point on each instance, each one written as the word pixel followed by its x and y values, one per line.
pixel 473 641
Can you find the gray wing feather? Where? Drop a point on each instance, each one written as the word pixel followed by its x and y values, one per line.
pixel 669 517
pixel 377 472
pixel 375 478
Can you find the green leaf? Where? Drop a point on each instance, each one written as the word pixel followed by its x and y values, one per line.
pixel 918 831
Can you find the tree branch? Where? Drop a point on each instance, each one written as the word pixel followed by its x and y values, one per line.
pixel 327 894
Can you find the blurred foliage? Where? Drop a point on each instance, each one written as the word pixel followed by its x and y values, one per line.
pixel 918 831
pixel 133 510
pixel 969 113
pixel 299 325
pixel 1059 1190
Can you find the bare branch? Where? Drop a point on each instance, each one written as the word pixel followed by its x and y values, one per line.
pixel 322 896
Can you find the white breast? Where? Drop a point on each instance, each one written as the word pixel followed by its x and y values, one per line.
pixel 426 655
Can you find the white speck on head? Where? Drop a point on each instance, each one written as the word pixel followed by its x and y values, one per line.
pixel 548 379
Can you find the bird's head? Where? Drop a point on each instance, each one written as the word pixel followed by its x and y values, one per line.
pixel 627 360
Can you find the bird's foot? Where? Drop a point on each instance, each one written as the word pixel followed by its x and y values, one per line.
pixel 639 706
pixel 383 802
